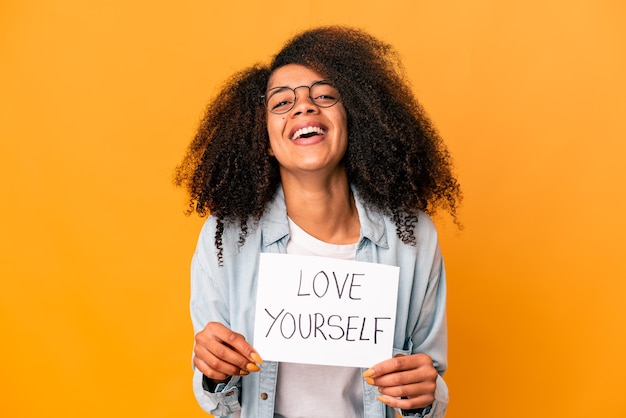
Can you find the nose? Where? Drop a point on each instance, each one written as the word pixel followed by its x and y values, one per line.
pixel 304 103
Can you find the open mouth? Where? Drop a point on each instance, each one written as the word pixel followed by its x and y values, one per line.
pixel 308 132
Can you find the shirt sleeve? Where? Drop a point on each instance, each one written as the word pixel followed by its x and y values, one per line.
pixel 208 303
pixel 431 336
pixel 221 402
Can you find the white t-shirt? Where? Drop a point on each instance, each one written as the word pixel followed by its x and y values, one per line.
pixel 313 391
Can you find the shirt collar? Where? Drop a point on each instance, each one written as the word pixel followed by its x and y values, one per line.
pixel 275 225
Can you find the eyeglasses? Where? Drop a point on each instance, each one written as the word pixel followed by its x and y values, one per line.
pixel 281 100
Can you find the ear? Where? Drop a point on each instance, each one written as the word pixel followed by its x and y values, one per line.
pixel 270 151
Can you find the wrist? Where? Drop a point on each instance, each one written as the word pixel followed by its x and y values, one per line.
pixel 213 385
pixel 417 412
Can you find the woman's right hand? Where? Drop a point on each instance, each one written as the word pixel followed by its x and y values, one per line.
pixel 220 353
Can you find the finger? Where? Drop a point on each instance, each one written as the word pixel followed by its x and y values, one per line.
pixel 211 372
pixel 219 366
pixel 411 390
pixel 425 374
pixel 212 351
pixel 226 353
pixel 216 356
pixel 398 363
pixel 234 340
pixel 406 404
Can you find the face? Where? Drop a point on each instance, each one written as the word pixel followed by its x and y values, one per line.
pixel 308 138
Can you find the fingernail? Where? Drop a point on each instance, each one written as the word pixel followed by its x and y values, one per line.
pixel 252 367
pixel 368 373
pixel 257 359
pixel 382 399
pixel 243 372
pixel 369 380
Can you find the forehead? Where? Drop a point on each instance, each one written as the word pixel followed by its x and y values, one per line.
pixel 293 75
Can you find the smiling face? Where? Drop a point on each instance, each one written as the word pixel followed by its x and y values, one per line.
pixel 308 138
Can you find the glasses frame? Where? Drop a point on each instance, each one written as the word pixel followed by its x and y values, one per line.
pixel 264 97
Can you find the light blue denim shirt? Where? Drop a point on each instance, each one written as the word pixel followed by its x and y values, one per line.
pixel 227 294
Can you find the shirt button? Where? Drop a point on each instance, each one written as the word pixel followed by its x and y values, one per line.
pixel 264 396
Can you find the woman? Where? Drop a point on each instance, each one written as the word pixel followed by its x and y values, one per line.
pixel 323 152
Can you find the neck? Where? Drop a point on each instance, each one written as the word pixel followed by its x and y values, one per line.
pixel 324 209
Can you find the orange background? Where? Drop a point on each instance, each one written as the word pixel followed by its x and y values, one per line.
pixel 98 101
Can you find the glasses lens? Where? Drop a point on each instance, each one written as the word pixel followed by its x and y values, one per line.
pixel 280 100
pixel 324 94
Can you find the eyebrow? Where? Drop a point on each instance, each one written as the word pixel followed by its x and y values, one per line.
pixel 277 88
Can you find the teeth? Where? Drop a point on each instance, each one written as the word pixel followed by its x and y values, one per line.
pixel 307 130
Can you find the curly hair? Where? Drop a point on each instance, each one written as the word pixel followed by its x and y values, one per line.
pixel 395 158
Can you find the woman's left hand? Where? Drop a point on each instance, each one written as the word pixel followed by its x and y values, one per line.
pixel 405 382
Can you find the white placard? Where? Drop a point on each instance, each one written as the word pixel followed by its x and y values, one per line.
pixel 326 311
